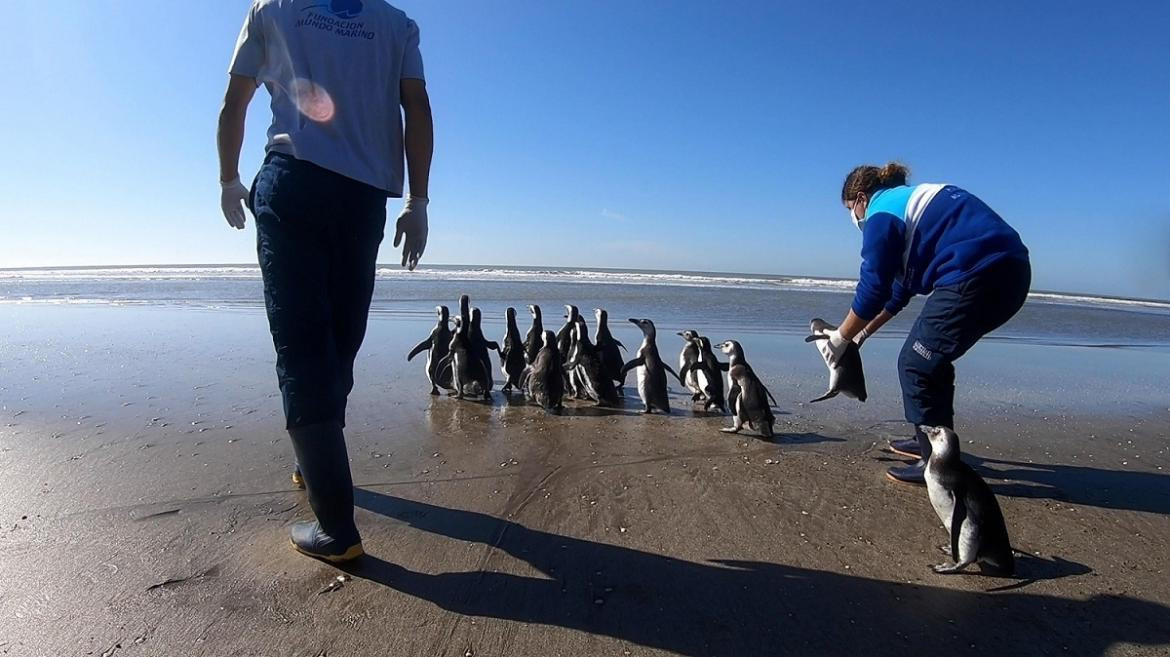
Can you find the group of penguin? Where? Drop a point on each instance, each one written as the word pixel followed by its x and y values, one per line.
pixel 549 366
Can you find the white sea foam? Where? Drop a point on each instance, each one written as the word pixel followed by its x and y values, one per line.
pixel 13 277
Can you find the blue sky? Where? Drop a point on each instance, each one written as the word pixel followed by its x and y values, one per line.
pixel 678 135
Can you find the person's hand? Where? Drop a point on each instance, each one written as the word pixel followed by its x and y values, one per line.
pixel 836 346
pixel 232 198
pixel 412 224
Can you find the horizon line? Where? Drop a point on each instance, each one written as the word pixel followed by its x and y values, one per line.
pixel 1117 297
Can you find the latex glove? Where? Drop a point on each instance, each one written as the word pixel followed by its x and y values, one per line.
pixel 836 346
pixel 861 337
pixel 233 196
pixel 412 224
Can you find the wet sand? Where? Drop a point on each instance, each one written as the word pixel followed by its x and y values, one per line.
pixel 145 505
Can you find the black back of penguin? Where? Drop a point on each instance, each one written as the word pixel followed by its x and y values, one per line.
pixel 512 356
pixel 534 340
pixel 546 380
pixel 712 373
pixel 608 347
pixel 587 365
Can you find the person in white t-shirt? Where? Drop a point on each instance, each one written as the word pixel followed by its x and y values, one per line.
pixel 341 75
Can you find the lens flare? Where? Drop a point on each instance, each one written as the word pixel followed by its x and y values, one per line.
pixel 312 100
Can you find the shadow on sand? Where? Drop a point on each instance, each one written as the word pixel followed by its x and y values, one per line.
pixel 1124 490
pixel 1107 489
pixel 748 608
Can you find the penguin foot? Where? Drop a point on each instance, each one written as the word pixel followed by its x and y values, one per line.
pixel 730 429
pixel 949 569
pixel 434 391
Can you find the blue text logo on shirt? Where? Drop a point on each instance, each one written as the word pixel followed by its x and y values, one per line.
pixel 346 9
pixel 339 22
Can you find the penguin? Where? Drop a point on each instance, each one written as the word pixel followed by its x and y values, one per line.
pixel 688 359
pixel 481 348
pixel 436 345
pixel 576 378
pixel 465 368
pixel 585 368
pixel 748 397
pixel 565 344
pixel 512 356
pixel 651 370
pixel 565 334
pixel 535 338
pixel 967 508
pixel 545 377
pixel 709 375
pixel 609 350
pixel 847 377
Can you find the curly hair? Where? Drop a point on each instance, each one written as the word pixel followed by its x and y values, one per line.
pixel 867 179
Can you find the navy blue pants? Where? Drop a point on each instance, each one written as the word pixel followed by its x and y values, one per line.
pixel 317 238
pixel 952 321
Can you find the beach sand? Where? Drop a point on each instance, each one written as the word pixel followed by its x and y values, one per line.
pixel 146 502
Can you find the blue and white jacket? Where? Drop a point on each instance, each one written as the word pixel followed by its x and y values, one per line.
pixel 920 237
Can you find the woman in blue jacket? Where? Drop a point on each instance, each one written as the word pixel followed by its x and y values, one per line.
pixel 942 241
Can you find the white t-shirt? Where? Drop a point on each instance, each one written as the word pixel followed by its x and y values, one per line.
pixel 333 69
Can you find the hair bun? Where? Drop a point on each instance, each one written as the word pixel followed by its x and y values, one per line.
pixel 894 174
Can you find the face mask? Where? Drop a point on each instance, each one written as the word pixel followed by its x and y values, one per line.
pixel 860 223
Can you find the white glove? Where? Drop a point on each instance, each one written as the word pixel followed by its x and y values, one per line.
pixel 861 337
pixel 233 196
pixel 413 224
pixel 836 346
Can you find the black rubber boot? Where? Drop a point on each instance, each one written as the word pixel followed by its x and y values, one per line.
pixel 914 473
pixel 324 465
pixel 906 447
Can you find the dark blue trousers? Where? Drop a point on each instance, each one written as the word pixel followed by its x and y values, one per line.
pixel 317 238
pixel 952 321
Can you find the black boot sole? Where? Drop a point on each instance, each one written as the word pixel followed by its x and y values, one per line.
pixel 903 481
pixel 352 553
pixel 905 453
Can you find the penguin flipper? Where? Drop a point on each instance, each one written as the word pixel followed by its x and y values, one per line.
pixel 828 395
pixel 958 517
pixel 769 393
pixel 680 379
pixel 419 348
pixel 637 362
pixel 619 343
pixel 682 373
pixel 814 338
pixel 723 366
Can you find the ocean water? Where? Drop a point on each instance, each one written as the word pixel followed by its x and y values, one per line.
pixel 1072 362
pixel 709 302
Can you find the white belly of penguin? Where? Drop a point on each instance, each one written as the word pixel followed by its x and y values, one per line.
pixel 642 384
pixel 704 383
pixel 940 498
